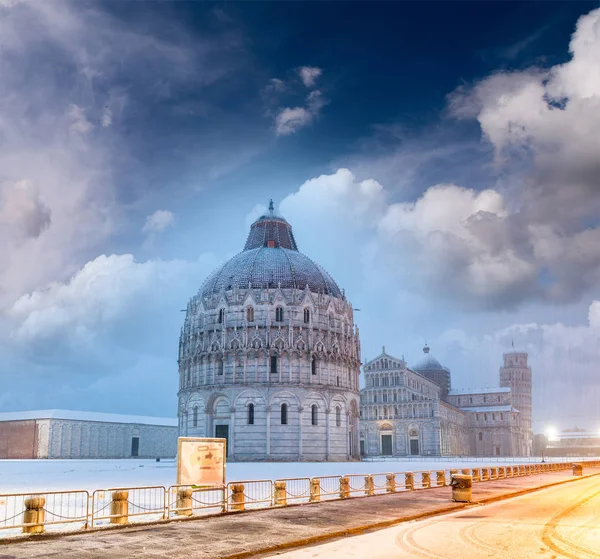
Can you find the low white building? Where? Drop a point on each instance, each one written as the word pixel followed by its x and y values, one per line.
pixel 76 434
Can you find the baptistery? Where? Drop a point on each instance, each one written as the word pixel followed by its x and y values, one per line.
pixel 269 355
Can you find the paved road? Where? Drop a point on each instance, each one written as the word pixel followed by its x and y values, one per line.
pixel 553 523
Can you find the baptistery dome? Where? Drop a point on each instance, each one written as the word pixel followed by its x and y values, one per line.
pixel 271 259
pixel 269 356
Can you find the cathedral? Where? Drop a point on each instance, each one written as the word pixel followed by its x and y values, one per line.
pixel 413 411
pixel 269 359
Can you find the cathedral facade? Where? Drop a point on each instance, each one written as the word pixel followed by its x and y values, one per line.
pixel 413 411
pixel 269 355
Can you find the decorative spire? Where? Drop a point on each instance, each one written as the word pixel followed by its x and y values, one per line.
pixel 271 206
pixel 383 349
pixel 426 348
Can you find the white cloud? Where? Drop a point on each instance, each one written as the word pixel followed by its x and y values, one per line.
pixel 158 221
pixel 106 117
pixel 79 122
pixel 309 75
pixel 22 212
pixel 290 120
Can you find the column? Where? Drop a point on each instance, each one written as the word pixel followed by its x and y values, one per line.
pixel 268 431
pixel 327 438
pixel 231 432
pixel 300 409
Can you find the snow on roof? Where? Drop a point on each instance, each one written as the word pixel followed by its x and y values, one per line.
pixel 494 390
pixel 483 409
pixel 88 416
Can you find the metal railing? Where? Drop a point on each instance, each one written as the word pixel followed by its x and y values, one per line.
pixel 70 511
pixel 120 504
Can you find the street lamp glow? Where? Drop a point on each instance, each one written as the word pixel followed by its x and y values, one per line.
pixel 551 433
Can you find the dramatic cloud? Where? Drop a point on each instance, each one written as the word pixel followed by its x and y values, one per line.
pixel 23 215
pixel 562 357
pixel 546 120
pixel 158 221
pixel 309 75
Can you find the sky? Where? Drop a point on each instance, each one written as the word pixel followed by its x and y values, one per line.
pixel 439 159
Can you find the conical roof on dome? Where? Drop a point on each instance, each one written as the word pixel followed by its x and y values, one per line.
pixel 428 363
pixel 270 259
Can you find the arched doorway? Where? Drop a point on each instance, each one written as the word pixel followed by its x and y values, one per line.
pixel 386 440
pixel 413 442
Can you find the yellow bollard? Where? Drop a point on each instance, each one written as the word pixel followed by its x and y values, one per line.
pixel 501 472
pixel 493 473
pixel 315 490
pixel 484 474
pixel 369 486
pixel 425 480
pixel 465 472
pixel 409 481
pixel 440 478
pixel 237 497
pixel 34 514
pixel 577 469
pixel 390 483
pixel 280 494
pixel 344 487
pixel 184 501
pixel 475 474
pixel 462 488
pixel 119 507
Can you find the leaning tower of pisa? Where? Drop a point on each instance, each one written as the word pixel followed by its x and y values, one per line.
pixel 517 375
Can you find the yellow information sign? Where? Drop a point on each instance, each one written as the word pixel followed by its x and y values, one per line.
pixel 200 461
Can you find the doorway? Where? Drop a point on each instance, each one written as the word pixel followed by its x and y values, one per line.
pixel 386 445
pixel 135 447
pixel 362 448
pixel 414 447
pixel 222 432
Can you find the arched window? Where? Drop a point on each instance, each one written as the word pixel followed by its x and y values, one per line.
pixel 279 314
pixel 313 414
pixel 220 367
pixel 338 417
pixel 273 364
pixel 195 417
pixel 480 436
pixel 284 414
pixel 221 315
pixel 313 366
pixel 250 414
pixel 250 314
pixel 306 316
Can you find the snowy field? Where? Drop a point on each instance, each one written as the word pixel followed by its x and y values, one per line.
pixel 24 476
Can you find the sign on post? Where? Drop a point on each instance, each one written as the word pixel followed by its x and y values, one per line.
pixel 200 461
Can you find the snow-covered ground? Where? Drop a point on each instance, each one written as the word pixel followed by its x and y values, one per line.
pixel 24 476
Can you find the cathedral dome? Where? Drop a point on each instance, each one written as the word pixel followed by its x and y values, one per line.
pixel 428 363
pixel 270 259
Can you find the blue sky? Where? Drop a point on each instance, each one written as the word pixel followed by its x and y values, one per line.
pixel 440 160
